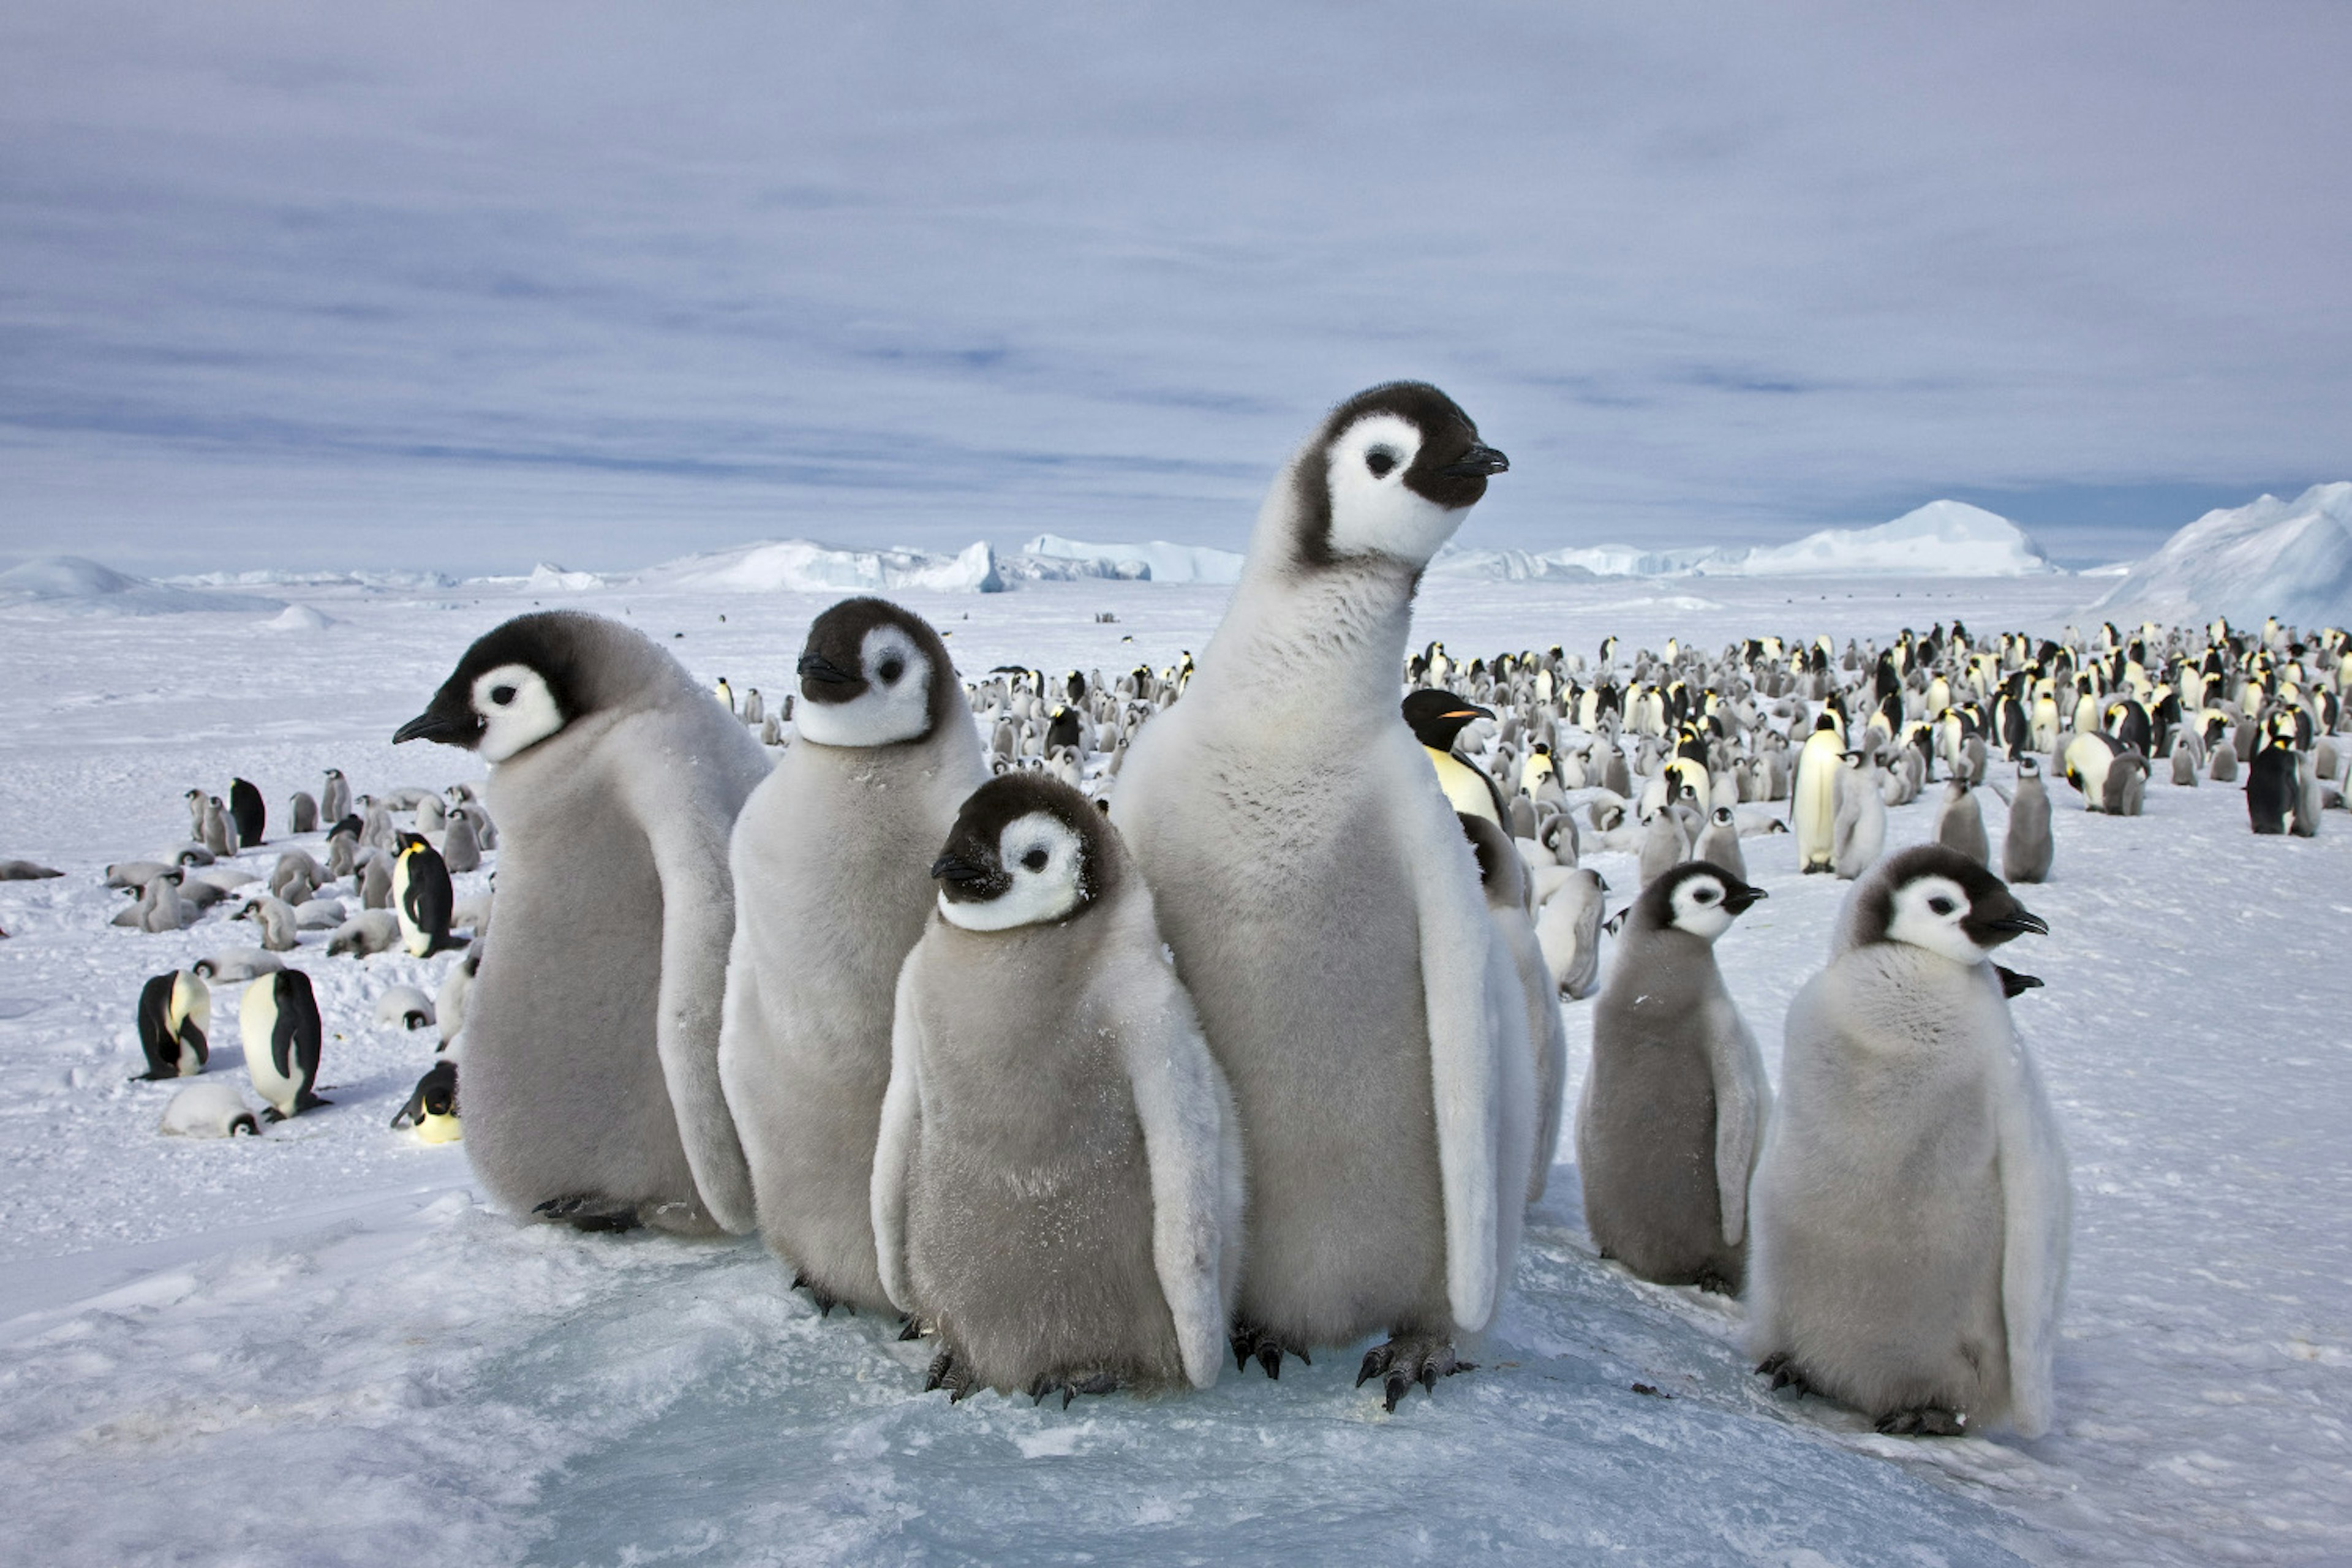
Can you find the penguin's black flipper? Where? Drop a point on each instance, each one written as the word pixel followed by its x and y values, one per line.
pixel 2014 984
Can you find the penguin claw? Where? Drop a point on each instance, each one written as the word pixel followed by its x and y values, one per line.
pixel 1408 1359
pixel 949 1373
pixel 1784 1373
pixel 1926 1421
pixel 909 1328
pixel 582 1212
pixel 1251 1343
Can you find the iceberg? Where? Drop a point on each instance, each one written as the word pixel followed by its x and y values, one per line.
pixel 2292 558
pixel 1155 561
pixel 1942 538
pixel 74 585
pixel 803 567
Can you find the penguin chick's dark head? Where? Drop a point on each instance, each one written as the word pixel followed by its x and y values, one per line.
pixel 1436 717
pixel 1934 897
pixel 873 674
pixel 1387 474
pixel 520 683
pixel 1697 897
pixel 1025 849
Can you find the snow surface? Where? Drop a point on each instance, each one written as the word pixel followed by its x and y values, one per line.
pixel 800 566
pixel 2292 558
pixel 319 1347
pixel 1942 538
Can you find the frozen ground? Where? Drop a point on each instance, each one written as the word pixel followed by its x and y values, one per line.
pixel 320 1348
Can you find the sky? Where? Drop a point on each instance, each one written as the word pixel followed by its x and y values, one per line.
pixel 465 287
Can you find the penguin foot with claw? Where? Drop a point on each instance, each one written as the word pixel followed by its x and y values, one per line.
pixel 1408 1359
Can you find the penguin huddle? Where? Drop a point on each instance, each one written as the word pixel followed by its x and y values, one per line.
pixel 1093 1025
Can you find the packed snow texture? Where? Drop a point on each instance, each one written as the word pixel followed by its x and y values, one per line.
pixel 318 1346
pixel 2292 558
pixel 1942 538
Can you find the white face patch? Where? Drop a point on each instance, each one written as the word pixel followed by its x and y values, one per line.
pixel 895 706
pixel 1372 511
pixel 1047 860
pixel 1699 908
pixel 1928 913
pixel 516 709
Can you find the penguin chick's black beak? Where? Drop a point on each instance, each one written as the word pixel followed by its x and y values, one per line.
pixel 956 869
pixel 1477 462
pixel 816 666
pixel 1740 903
pixel 2018 923
pixel 447 729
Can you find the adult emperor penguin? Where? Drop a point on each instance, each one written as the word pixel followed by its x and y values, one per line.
pixel 2272 791
pixel 2025 848
pixel 1911 1206
pixel 248 811
pixel 831 861
pixel 1058 1187
pixel 1813 802
pixel 1435 719
pixel 278 1020
pixel 592 1034
pixel 1675 1100
pixel 174 1011
pixel 420 896
pixel 1509 899
pixel 1330 921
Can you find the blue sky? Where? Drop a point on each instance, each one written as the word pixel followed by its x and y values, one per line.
pixel 471 287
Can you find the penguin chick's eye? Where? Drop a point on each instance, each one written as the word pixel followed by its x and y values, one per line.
pixel 1034 859
pixel 1705 895
pixel 1941 905
pixel 1380 459
pixel 502 695
pixel 891 671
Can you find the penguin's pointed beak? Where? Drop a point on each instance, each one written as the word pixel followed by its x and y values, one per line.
pixel 1476 463
pixel 1469 711
pixel 955 869
pixel 2017 922
pixel 817 668
pixel 1746 898
pixel 437 724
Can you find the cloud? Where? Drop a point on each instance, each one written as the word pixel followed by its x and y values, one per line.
pixel 441 285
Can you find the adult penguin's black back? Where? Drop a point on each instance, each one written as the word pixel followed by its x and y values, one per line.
pixel 2271 786
pixel 245 809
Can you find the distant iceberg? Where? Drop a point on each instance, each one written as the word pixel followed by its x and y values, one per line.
pixel 803 567
pixel 1155 561
pixel 547 578
pixel 72 584
pixel 1942 538
pixel 2292 558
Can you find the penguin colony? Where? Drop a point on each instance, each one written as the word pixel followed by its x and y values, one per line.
pixel 1015 1007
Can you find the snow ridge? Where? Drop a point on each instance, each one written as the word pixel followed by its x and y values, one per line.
pixel 2292 558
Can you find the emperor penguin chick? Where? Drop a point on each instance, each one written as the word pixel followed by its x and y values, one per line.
pixel 2025 847
pixel 1911 1206
pixel 1861 826
pixel 1568 929
pixel 1676 1100
pixel 1330 921
pixel 592 1033
pixel 1719 845
pixel 1504 878
pixel 831 861
pixel 1959 822
pixel 1057 1185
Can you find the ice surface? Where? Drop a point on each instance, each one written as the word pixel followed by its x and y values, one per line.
pixel 317 1346
pixel 800 566
pixel 2292 558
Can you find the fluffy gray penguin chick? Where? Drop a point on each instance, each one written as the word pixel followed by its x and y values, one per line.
pixel 1058 1187
pixel 592 1031
pixel 1328 920
pixel 831 859
pixel 1912 1207
pixel 1675 1100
